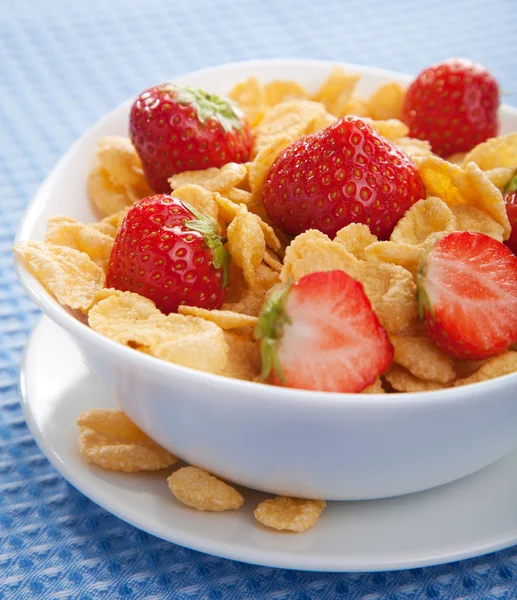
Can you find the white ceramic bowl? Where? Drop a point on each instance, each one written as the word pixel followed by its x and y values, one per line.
pixel 292 442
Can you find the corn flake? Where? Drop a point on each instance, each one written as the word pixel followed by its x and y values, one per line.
pixel 387 100
pixel 63 231
pixel 425 217
pixel 282 91
pixel 238 195
pixel 500 176
pixel 454 186
pixel 109 439
pixel 357 106
pixel 246 243
pixel 336 91
pixel 291 514
pixel 422 358
pixel 250 96
pixel 401 380
pixel 70 275
pixel 404 255
pixel 391 129
pixel 226 319
pixel 108 197
pixel 200 490
pixel 118 157
pixel 495 367
pixel 243 357
pixel 135 321
pixel 413 147
pixel 496 152
pixel 213 179
pixel 270 259
pixel 355 237
pixel 472 218
pixel 259 168
pixel 374 388
pixel 198 197
pixel 291 119
pixel 252 298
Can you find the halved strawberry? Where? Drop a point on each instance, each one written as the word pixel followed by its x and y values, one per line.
pixel 321 333
pixel 467 294
pixel 510 199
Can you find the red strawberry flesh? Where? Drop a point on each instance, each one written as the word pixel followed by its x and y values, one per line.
pixel 159 254
pixel 510 198
pixel 467 285
pixel 175 129
pixel 327 336
pixel 344 174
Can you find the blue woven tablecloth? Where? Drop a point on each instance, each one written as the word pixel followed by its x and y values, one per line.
pixel 63 64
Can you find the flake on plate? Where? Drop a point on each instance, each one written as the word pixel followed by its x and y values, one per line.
pixel 243 357
pixel 472 218
pixel 494 153
pixel 198 197
pixel 213 179
pixel 495 367
pixel 226 319
pixel 200 490
pixel 403 381
pixel 282 91
pixel 422 358
pixel 387 100
pixel 355 237
pixel 246 243
pixel 250 96
pixel 336 91
pixel 291 514
pixel 391 129
pixel 424 218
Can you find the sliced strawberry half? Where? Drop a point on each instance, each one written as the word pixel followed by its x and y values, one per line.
pixel 510 199
pixel 321 333
pixel 467 293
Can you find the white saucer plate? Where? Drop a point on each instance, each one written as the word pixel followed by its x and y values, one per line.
pixel 470 517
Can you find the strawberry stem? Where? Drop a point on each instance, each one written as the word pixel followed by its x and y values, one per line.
pixel 269 330
pixel 511 186
pixel 208 106
pixel 210 229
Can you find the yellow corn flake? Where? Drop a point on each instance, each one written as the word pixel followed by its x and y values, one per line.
pixel 291 119
pixel 238 196
pixel 213 179
pixel 290 514
pixel 413 147
pixel 270 259
pixel 200 490
pixel 500 176
pixel 387 100
pixel 457 186
pixel 374 388
pixel 259 168
pixel 313 251
pixel 422 358
pixel 228 210
pixel 109 439
pixel 250 299
pixel 134 321
pixel 114 220
pixel 324 120
pixel 355 238
pixel 425 217
pixel 243 357
pixel 226 319
pixel 390 288
pixel 404 255
pixel 495 367
pixel 108 197
pixel 391 129
pixel 281 91
pixel 250 96
pixel 246 243
pixel 495 152
pixel 198 197
pixel 118 157
pixel 401 380
pixel 63 231
pixel 357 106
pixel 457 158
pixel 105 228
pixel 472 218
pixel 69 275
pixel 336 91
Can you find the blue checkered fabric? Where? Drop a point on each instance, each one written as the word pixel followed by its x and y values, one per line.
pixel 63 64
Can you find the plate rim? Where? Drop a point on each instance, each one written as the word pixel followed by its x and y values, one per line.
pixel 225 549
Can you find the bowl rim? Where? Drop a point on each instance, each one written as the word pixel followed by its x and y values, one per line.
pixel 49 305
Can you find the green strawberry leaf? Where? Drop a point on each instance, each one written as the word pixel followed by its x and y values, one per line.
pixel 210 229
pixel 208 106
pixel 511 186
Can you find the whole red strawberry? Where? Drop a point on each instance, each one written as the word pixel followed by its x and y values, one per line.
pixel 175 128
pixel 346 173
pixel 170 253
pixel 453 105
pixel 467 294
pixel 510 198
pixel 321 333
